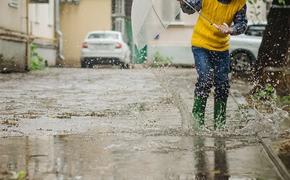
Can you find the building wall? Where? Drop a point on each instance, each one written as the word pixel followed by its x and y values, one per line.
pixel 175 42
pixel 77 21
pixel 13 18
pixel 12 35
pixel 42 28
pixel 178 32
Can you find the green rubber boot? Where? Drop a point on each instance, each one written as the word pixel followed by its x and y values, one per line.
pixel 220 107
pixel 198 111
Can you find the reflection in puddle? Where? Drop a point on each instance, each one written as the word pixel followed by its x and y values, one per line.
pixel 200 157
pixel 220 171
pixel 132 156
pixel 221 166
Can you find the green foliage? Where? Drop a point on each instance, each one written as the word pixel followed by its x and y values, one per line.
pixel 36 61
pixel 267 93
pixel 282 2
pixel 285 100
pixel 21 175
pixel 161 61
pixel 264 99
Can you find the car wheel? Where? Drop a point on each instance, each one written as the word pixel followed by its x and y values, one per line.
pixel 83 64
pixel 242 63
pixel 124 66
pixel 86 64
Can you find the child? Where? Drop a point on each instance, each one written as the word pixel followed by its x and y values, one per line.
pixel 210 47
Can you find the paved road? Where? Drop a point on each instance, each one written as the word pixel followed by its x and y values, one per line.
pixel 119 124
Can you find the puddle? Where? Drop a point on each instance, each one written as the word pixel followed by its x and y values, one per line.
pixel 133 156
pixel 281 148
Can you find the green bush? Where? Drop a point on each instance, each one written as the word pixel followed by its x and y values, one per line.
pixel 161 61
pixel 36 61
pixel 267 93
pixel 285 100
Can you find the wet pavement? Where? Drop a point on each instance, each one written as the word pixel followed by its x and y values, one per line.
pixel 122 124
pixel 59 101
pixel 133 156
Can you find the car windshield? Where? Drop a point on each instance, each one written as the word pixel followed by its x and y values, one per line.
pixel 103 36
pixel 255 30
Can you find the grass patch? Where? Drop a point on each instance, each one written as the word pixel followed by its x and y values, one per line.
pixel 284 102
pixel 36 61
pixel 264 99
pixel 161 61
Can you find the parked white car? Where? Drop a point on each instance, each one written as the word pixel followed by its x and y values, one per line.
pixel 104 47
pixel 244 49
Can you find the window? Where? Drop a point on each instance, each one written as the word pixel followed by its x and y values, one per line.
pixel 255 30
pixel 39 1
pixel 119 25
pixel 118 7
pixel 36 8
pixel 103 36
pixel 128 6
pixel 75 2
pixel 13 4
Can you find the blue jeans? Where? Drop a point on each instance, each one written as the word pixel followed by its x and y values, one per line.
pixel 213 68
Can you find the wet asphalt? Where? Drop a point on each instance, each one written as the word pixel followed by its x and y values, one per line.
pixel 122 124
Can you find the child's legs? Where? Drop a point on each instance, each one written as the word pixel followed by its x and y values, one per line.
pixel 204 70
pixel 221 71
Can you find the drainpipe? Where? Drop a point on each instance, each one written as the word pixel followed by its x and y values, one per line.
pixel 59 34
pixel 28 36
